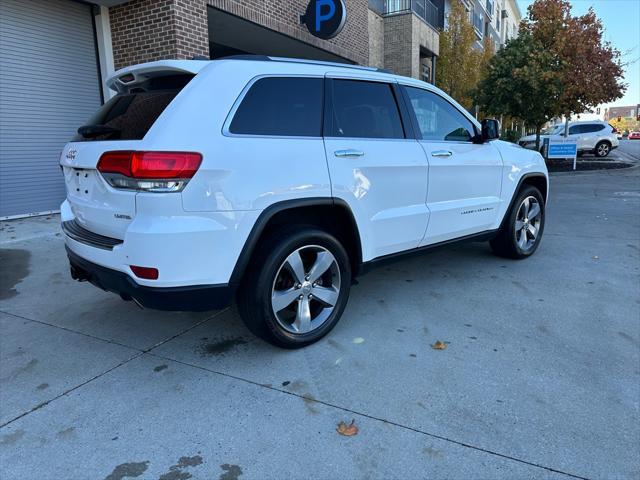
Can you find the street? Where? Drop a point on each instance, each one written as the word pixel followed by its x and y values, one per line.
pixel 630 147
pixel 540 377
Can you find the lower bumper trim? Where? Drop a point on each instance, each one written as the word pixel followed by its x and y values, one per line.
pixel 195 298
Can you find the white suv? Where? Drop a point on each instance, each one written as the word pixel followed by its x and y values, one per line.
pixel 281 180
pixel 592 137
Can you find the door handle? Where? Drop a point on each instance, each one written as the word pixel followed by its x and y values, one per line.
pixel 441 153
pixel 348 153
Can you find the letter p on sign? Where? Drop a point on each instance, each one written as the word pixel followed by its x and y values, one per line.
pixel 328 13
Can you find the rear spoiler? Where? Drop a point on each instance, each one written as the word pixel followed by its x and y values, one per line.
pixel 128 76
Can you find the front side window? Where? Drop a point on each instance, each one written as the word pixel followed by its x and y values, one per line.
pixel 438 120
pixel 364 110
pixel 281 106
pixel 575 130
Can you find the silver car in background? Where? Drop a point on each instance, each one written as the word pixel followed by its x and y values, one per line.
pixel 592 136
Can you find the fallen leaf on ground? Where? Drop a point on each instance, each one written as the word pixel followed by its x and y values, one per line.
pixel 347 430
pixel 439 345
pixel 358 340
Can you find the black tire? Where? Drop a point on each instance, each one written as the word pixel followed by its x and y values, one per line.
pixel 603 149
pixel 266 269
pixel 506 242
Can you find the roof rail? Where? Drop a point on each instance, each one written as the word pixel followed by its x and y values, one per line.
pixel 265 58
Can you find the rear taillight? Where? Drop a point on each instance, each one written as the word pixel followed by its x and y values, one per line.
pixel 149 171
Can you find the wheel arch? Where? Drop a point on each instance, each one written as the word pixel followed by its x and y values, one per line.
pixel 332 214
pixel 535 179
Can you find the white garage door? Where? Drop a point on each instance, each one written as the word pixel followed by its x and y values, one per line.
pixel 49 86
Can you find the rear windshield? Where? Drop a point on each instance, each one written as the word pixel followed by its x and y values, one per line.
pixel 130 115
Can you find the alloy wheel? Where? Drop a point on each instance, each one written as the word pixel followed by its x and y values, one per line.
pixel 306 289
pixel 603 150
pixel 528 221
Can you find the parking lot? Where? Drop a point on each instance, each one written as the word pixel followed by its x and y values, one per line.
pixel 540 377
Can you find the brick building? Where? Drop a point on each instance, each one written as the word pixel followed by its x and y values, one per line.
pixel 629 112
pixel 56 54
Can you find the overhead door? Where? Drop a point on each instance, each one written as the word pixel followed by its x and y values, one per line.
pixel 49 86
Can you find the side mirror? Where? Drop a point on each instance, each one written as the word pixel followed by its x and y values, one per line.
pixel 490 129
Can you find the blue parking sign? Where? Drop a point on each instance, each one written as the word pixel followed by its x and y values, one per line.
pixel 562 150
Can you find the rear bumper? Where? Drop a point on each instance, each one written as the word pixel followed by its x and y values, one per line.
pixel 194 298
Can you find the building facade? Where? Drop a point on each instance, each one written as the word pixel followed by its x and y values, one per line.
pixel 496 20
pixel 630 112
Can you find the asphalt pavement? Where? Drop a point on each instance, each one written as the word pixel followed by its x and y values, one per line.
pixel 630 148
pixel 540 377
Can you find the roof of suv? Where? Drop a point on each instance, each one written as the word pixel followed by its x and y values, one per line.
pixel 117 79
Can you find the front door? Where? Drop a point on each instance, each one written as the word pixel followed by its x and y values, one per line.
pixel 374 167
pixel 465 178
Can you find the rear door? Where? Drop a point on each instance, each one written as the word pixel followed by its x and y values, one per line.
pixel 375 163
pixel 465 178
pixel 577 134
pixel 119 125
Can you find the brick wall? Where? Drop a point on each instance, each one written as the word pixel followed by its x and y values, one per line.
pixel 376 40
pixel 145 30
pixel 284 16
pixel 404 36
pixel 397 44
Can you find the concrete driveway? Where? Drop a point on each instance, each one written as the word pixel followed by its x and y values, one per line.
pixel 541 377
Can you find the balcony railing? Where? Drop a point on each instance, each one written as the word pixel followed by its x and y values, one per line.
pixel 423 8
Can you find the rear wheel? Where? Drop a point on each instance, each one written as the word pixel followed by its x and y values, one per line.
pixel 603 149
pixel 522 229
pixel 297 287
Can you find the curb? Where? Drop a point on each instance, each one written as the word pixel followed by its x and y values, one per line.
pixel 608 171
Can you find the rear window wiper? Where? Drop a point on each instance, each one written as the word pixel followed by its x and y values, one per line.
pixel 90 131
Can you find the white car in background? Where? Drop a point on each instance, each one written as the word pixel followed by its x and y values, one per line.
pixel 593 136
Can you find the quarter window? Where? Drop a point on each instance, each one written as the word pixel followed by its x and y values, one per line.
pixel 364 110
pixel 438 120
pixel 281 106
pixel 596 127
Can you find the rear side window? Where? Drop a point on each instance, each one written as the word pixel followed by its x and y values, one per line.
pixel 596 127
pixel 281 106
pixel 129 116
pixel 365 110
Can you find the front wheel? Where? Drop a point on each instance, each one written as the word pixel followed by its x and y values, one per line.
pixel 522 229
pixel 297 287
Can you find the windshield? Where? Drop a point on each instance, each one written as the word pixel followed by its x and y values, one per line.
pixel 555 130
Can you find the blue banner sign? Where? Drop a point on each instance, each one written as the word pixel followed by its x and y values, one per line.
pixel 562 150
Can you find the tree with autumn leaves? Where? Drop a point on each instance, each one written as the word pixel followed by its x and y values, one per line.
pixel 460 66
pixel 558 66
